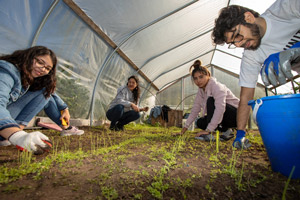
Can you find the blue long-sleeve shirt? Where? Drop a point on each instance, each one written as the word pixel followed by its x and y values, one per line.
pixel 11 90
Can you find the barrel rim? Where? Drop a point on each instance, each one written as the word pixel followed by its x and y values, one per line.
pixel 276 97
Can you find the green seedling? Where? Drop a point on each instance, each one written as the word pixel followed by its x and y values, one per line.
pixel 25 157
pixel 217 141
pixel 287 183
pixel 240 178
pixel 109 193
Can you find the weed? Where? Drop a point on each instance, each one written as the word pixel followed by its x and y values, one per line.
pixel 25 157
pixel 137 196
pixel 239 183
pixel 209 189
pixel 287 183
pixel 217 141
pixel 13 188
pixel 109 193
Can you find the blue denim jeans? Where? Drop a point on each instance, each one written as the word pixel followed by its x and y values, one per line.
pixel 117 114
pixel 31 103
pixel 26 107
pixel 53 108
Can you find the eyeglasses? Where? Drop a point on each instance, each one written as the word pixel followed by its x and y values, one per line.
pixel 237 38
pixel 40 63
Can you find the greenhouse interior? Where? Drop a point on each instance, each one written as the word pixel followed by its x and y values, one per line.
pixel 100 43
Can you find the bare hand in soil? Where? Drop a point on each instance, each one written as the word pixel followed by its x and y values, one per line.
pixel 201 133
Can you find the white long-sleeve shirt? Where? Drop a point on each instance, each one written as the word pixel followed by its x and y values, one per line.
pixel 124 97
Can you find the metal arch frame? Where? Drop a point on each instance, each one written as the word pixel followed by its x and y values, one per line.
pixel 172 83
pixel 210 65
pixel 149 60
pixel 38 31
pixel 170 71
pixel 180 66
pixel 234 74
pixel 116 48
pixel 228 54
pixel 107 60
pixel 175 47
pixel 53 5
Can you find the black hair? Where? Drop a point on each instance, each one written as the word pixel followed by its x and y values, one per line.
pixel 136 91
pixel 23 60
pixel 197 67
pixel 229 17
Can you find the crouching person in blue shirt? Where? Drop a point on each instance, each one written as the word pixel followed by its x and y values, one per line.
pixel 27 86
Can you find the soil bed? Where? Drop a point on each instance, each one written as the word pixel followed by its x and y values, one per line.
pixel 142 162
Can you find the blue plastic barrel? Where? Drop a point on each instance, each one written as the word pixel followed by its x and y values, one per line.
pixel 278 120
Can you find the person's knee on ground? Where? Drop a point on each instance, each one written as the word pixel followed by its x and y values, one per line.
pixel 202 123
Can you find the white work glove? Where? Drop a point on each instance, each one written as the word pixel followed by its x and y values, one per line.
pixel 277 67
pixel 36 142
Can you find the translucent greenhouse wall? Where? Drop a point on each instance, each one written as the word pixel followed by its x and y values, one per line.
pixel 83 81
pixel 172 97
pixel 100 43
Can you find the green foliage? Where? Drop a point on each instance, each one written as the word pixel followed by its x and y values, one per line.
pixel 13 188
pixel 145 160
pixel 287 183
pixel 109 193
pixel 75 95
pixel 157 188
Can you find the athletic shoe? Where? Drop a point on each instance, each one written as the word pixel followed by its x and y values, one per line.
pixel 71 131
pixel 206 138
pixel 4 143
pixel 117 127
pixel 227 135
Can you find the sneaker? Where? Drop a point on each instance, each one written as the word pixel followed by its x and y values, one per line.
pixel 4 143
pixel 227 135
pixel 206 138
pixel 117 127
pixel 71 131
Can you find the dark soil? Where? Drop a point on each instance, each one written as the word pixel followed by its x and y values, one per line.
pixel 144 163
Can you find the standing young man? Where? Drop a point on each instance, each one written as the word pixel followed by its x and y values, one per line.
pixel 267 40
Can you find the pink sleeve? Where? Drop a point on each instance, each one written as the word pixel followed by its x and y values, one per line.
pixel 219 94
pixel 195 110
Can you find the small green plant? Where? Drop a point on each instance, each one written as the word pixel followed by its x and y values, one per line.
pixel 287 183
pixel 138 196
pixel 157 188
pixel 209 189
pixel 109 193
pixel 239 183
pixel 25 157
pixel 217 141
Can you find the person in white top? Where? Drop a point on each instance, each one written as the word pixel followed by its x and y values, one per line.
pixel 267 40
pixel 216 102
pixel 124 107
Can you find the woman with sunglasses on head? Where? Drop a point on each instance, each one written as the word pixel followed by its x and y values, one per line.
pixel 27 86
pixel 124 107
pixel 217 103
